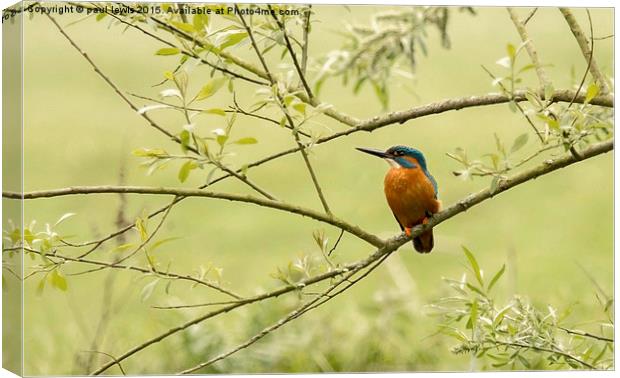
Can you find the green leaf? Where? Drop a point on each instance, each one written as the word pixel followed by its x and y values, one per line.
pixel 524 361
pixel 221 140
pixel 551 122
pixel 474 265
pixel 592 91
pixel 512 51
pixel 549 90
pixel 147 290
pixel 58 280
pixel 184 137
pixel 63 218
pixel 100 16
pixel 533 99
pixel 300 107
pixel 232 39
pixel 504 62
pixel 186 169
pixel 519 142
pixel 216 111
pixel 496 277
pixel 123 247
pixel 500 315
pixel 474 289
pixel 247 140
pixel 141 227
pixel 168 51
pixel 163 241
pixel 473 313
pixel 148 152
pixel 288 100
pixel 200 21
pixel 527 67
pixel 512 106
pixel 210 88
pixel 188 28
pixel 169 75
pixel 282 121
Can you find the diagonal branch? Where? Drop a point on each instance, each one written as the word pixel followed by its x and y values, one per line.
pixel 529 46
pixel 186 192
pixel 289 47
pixel 157 272
pixel 150 121
pixel 186 52
pixel 308 306
pixel 386 247
pixel 282 104
pixel 304 41
pixel 330 111
pixel 586 49
pixel 389 119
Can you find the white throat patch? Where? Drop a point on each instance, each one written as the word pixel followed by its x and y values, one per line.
pixel 392 163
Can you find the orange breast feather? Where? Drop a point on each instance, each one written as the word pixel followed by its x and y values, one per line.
pixel 410 195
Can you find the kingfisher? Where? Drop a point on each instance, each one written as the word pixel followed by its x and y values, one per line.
pixel 410 190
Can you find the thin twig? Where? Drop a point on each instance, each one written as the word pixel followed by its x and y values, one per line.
pixel 183 51
pixel 536 131
pixel 586 334
pixel 585 49
pixel 289 47
pixel 116 362
pixel 591 56
pixel 236 109
pixel 336 244
pixel 305 40
pixel 300 145
pixel 160 273
pixel 132 253
pixel 208 304
pixel 109 81
pixel 150 121
pixel 376 123
pixel 548 350
pixel 529 16
pixel 387 247
pixel 312 304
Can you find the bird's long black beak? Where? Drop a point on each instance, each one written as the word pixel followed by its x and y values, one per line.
pixel 374 152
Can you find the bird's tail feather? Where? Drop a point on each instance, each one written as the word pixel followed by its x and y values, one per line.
pixel 424 243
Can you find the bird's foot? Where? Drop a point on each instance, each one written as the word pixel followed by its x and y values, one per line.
pixel 408 231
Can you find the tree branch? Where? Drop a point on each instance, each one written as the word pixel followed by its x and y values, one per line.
pixel 472 101
pixel 586 334
pixel 302 148
pixel 308 306
pixel 137 269
pixel 186 192
pixel 305 40
pixel 394 243
pixel 150 121
pixel 529 46
pixel 548 350
pixel 383 121
pixel 386 247
pixel 585 49
pixel 289 47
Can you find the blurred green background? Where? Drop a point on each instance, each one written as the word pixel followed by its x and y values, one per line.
pixel 79 132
